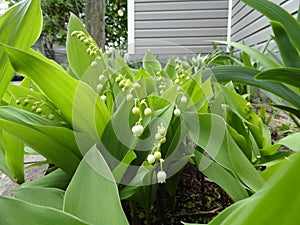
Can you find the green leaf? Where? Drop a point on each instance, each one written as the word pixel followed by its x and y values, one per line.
pixel 266 61
pixel 209 132
pixel 243 167
pixel 240 106
pixel 287 50
pixel 78 57
pixel 78 103
pixel 14 26
pixel 151 64
pixel 291 141
pixel 16 122
pixel 282 191
pixel 15 211
pixel 224 178
pixel 3 164
pixel 50 197
pixel 56 179
pixel 276 13
pixel 289 76
pixel 14 155
pixel 92 190
pixel 245 75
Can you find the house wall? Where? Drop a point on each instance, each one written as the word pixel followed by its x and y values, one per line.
pixel 176 26
pixel 251 26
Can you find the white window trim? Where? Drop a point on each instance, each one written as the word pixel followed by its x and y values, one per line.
pixel 229 20
pixel 131 27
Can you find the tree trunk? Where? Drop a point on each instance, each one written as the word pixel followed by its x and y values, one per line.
pixel 95 21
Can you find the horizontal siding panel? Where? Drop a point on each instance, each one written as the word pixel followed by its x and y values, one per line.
pixel 176 50
pixel 251 26
pixel 180 6
pixel 291 6
pixel 167 15
pixel 176 41
pixel 199 32
pixel 181 23
pixel 258 37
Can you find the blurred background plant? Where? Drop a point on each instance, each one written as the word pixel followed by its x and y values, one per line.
pixel 56 14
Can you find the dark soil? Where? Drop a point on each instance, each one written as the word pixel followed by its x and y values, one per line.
pixel 197 201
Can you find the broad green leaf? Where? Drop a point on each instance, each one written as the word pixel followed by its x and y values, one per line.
pixel 3 164
pixel 78 57
pixel 15 211
pixel 56 179
pixel 288 52
pixel 245 111
pixel 266 61
pixel 170 68
pixel 292 141
pixel 245 75
pixel 276 13
pixel 209 132
pixel 14 156
pixel 224 178
pixel 92 194
pixel 16 123
pixel 151 64
pixel 78 103
pixel 282 191
pixel 14 26
pixel 243 167
pixel 289 76
pixel 50 197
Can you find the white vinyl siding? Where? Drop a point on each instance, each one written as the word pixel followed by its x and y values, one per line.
pixel 178 26
pixel 190 26
pixel 252 27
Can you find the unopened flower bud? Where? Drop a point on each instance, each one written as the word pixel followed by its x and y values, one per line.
pixel 129 97
pixel 94 64
pixel 137 130
pixel 136 85
pixel 184 99
pixel 26 101
pixel 99 87
pixel 158 136
pixel 177 112
pixel 102 77
pixel 39 110
pixel 157 155
pixel 103 98
pixel 135 110
pixel 148 112
pixel 151 159
pixel 51 116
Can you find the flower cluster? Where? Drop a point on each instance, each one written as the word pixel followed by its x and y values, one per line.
pixel 102 80
pixel 161 82
pixel 138 129
pixel 92 49
pixel 155 155
pixel 123 82
pixel 160 138
pixel 181 76
pixel 40 107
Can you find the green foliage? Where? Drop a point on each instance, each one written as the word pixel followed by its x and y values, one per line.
pixel 286 35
